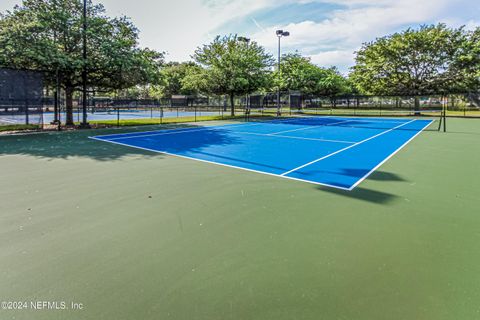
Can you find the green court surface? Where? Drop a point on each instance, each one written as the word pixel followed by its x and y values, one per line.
pixel 132 234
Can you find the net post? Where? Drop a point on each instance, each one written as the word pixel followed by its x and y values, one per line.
pixel 444 119
pixel 26 112
pixel 161 114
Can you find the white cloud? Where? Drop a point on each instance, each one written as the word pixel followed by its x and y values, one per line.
pixel 180 26
pixel 339 58
pixel 333 40
pixel 177 26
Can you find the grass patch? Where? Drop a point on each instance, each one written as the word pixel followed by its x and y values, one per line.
pixel 18 127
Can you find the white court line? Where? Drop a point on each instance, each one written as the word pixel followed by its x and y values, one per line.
pixel 292 137
pixel 221 164
pixel 8 121
pixel 387 158
pixel 167 132
pixel 346 148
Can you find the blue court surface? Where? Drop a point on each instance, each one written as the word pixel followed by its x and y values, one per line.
pixel 331 151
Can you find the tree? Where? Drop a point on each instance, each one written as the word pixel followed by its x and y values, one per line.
pixel 300 74
pixel 413 62
pixel 331 83
pixel 466 62
pixel 47 35
pixel 233 67
pixel 195 80
pixel 180 78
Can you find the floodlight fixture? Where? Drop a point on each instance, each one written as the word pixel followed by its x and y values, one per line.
pixel 243 39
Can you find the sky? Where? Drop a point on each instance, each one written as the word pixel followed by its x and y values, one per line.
pixel 327 31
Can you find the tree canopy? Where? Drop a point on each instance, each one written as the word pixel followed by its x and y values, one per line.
pixel 233 67
pixel 180 78
pixel 46 35
pixel 433 59
pixel 467 62
pixel 298 73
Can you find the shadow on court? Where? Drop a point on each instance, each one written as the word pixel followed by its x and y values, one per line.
pixel 65 144
pixel 364 194
pixel 385 176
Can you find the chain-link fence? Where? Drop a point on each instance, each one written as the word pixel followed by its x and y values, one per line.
pixel 106 111
pixel 16 112
pixel 120 112
pixel 21 93
pixel 459 105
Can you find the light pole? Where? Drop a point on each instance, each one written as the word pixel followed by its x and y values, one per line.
pixel 247 109
pixel 84 123
pixel 280 34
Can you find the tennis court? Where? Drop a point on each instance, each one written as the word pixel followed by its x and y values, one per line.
pixel 141 235
pixel 338 152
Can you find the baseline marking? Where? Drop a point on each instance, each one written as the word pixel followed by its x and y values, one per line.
pixel 167 132
pixel 346 148
pixel 387 158
pixel 221 164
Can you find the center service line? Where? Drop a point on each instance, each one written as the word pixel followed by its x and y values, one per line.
pixel 346 148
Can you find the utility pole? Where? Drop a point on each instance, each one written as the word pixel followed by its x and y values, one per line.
pixel 84 123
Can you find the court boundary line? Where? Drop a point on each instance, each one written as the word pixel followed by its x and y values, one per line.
pixel 346 148
pixel 389 157
pixel 220 164
pixel 166 131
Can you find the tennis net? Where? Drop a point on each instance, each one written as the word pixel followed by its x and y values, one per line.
pixel 434 119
